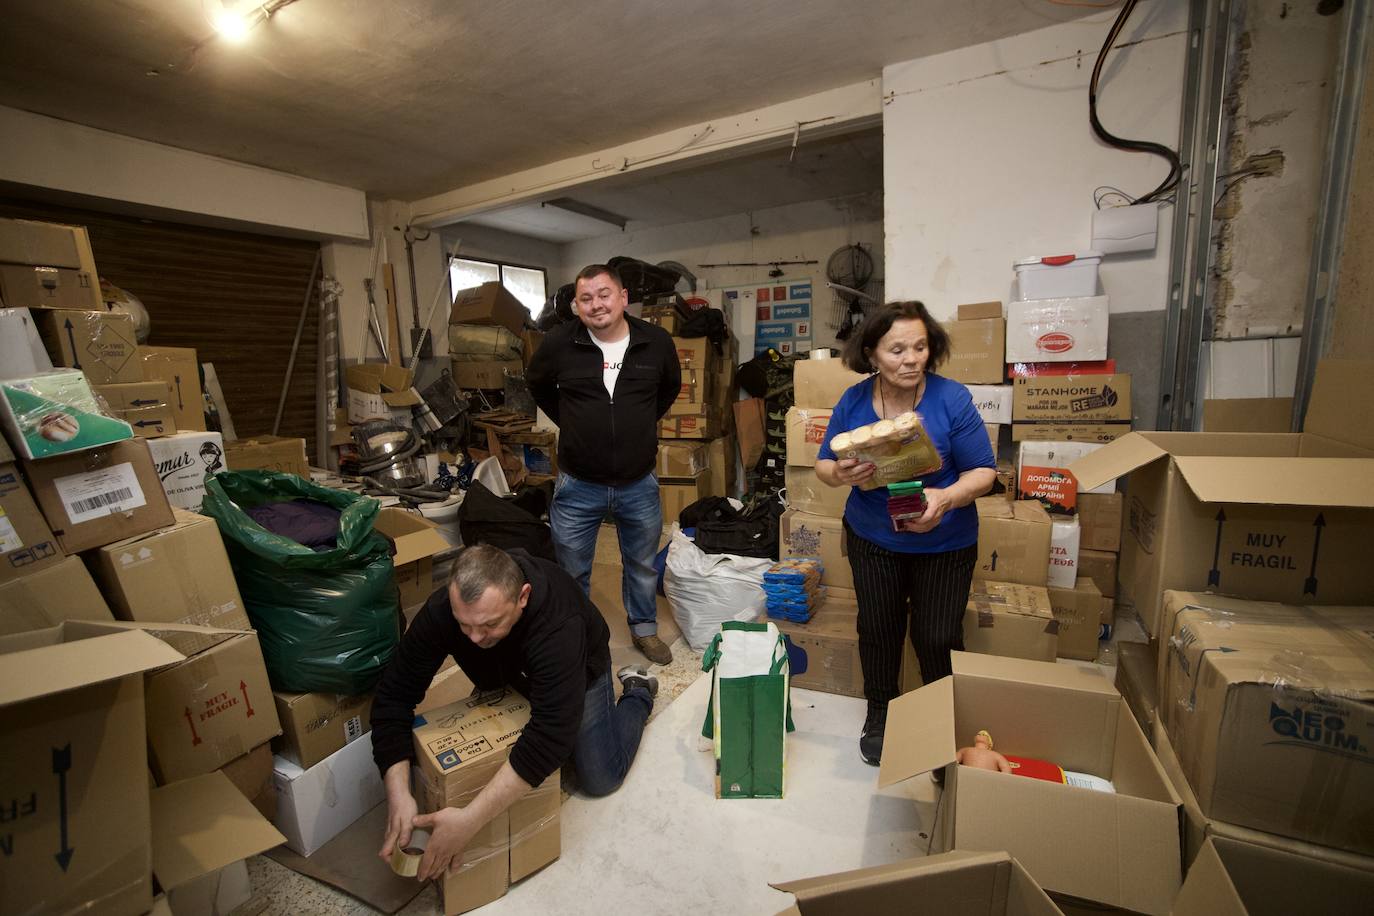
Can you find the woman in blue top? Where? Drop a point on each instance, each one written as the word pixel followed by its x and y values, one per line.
pixel 922 572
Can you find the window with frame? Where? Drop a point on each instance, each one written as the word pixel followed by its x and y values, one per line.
pixel 524 283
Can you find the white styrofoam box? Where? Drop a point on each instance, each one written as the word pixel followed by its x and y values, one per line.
pixel 21 350
pixel 1073 329
pixel 992 401
pixel 1063 276
pixel 1287 351
pixel 1059 455
pixel 1064 537
pixel 1118 230
pixel 315 805
pixel 182 461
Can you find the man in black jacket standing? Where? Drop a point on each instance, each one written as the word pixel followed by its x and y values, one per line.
pixel 606 380
pixel 509 619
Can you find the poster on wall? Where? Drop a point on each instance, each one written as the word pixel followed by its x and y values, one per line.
pixel 781 310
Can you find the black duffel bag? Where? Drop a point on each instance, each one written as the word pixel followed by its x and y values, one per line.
pixel 721 528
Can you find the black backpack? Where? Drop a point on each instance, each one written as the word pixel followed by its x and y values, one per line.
pixel 485 518
pixel 721 528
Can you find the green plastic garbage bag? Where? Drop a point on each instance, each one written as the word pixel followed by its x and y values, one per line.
pixel 327 621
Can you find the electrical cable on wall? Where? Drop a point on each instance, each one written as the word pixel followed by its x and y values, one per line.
pixel 1140 146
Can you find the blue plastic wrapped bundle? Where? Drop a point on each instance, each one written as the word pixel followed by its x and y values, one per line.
pixel 792 587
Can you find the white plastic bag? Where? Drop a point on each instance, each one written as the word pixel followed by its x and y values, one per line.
pixel 707 589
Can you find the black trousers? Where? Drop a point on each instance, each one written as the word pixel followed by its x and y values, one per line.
pixel 928 589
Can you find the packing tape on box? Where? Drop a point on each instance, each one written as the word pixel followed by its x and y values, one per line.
pixel 405 861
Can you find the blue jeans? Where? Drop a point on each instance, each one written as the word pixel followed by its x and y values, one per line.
pixel 575 517
pixel 609 736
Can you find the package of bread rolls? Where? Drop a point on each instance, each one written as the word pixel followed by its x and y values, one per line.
pixel 900 449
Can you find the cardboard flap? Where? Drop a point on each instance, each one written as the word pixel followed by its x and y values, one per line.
pixel 1025 671
pixel 1115 459
pixel 1336 409
pixel 376 378
pixel 1280 481
pixel 920 733
pixel 186 638
pixel 201 825
pixel 949 882
pixel 35 672
pixel 415 536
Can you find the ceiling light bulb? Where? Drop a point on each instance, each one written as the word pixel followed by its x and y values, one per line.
pixel 233 26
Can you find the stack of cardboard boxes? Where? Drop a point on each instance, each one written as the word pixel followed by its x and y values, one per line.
pixel 977 344
pixel 696 448
pixel 489 335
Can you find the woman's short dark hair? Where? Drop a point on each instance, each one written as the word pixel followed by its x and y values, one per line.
pixel 866 336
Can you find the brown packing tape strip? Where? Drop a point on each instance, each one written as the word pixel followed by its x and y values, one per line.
pixel 985 620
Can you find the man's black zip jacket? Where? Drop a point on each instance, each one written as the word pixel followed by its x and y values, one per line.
pixel 555 651
pixel 605 440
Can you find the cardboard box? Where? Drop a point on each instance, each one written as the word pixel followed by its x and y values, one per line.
pixel 183 460
pixel 705 426
pixel 808 493
pixel 694 393
pixel 268 453
pixel 805 431
pixel 1099 520
pixel 1247 415
pixel 801 534
pixel 1136 682
pixel 1231 878
pixel 178 367
pixel 145 406
pixel 831 641
pixel 977 349
pixel 415 541
pixel 203 830
pixel 251 774
pixel 177 574
pixel 21 349
pixel 100 344
pixel 311 809
pixel 993 402
pixel 981 883
pixel 380 391
pixel 1078 611
pixel 459 748
pixel 1281 516
pixel 56 413
pixel 78 836
pixel 972 311
pixel 1072 398
pixel 696 353
pixel 1045 457
pixel 45 597
pixel 677 494
pixel 26 544
pixel 1198 828
pixel 1250 690
pixel 820 382
pixel 1057 330
pixel 721 465
pixel 47 265
pixel 994 435
pixel 1017 621
pixel 664 316
pixel 94 497
pixel 1063 553
pixel 530 342
pixel 1117 849
pixel 315 725
pixel 1050 431
pixel 681 458
pixel 207 708
pixel 1100 566
pixel 1013 541
pixel 490 304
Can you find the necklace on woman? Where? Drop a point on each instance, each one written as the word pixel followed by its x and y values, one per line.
pixel 915 398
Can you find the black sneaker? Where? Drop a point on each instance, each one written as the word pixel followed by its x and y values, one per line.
pixel 871 739
pixel 636 676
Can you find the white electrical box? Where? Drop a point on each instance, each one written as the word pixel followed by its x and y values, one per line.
pixel 1117 230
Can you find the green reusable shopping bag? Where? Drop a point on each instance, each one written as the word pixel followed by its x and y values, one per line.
pixel 750 711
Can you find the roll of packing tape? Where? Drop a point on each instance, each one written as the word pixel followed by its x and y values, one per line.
pixel 405 861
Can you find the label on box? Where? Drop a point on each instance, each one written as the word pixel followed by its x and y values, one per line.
pixel 9 538
pixel 1057 488
pixel 99 493
pixel 353 729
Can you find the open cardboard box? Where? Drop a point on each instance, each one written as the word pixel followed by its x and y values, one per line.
pixel 1231 878
pixel 1273 516
pixel 1117 849
pixel 416 541
pixel 953 883
pixel 76 766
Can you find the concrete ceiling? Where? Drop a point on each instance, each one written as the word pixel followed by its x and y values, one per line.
pixel 408 98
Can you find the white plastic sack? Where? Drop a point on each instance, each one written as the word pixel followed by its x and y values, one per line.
pixel 707 589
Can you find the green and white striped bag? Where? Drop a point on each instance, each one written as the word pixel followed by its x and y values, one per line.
pixel 750 711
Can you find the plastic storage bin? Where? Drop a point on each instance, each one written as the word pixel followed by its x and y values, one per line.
pixel 1062 276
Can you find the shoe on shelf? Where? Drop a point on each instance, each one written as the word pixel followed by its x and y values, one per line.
pixel 654 649
pixel 637 676
pixel 871 738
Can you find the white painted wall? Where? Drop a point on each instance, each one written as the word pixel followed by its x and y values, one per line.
pixel 798 232
pixel 988 156
pixel 47 153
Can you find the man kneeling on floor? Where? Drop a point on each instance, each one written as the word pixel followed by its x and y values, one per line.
pixel 509 619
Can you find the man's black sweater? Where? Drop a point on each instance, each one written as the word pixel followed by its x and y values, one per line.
pixel 602 439
pixel 555 651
